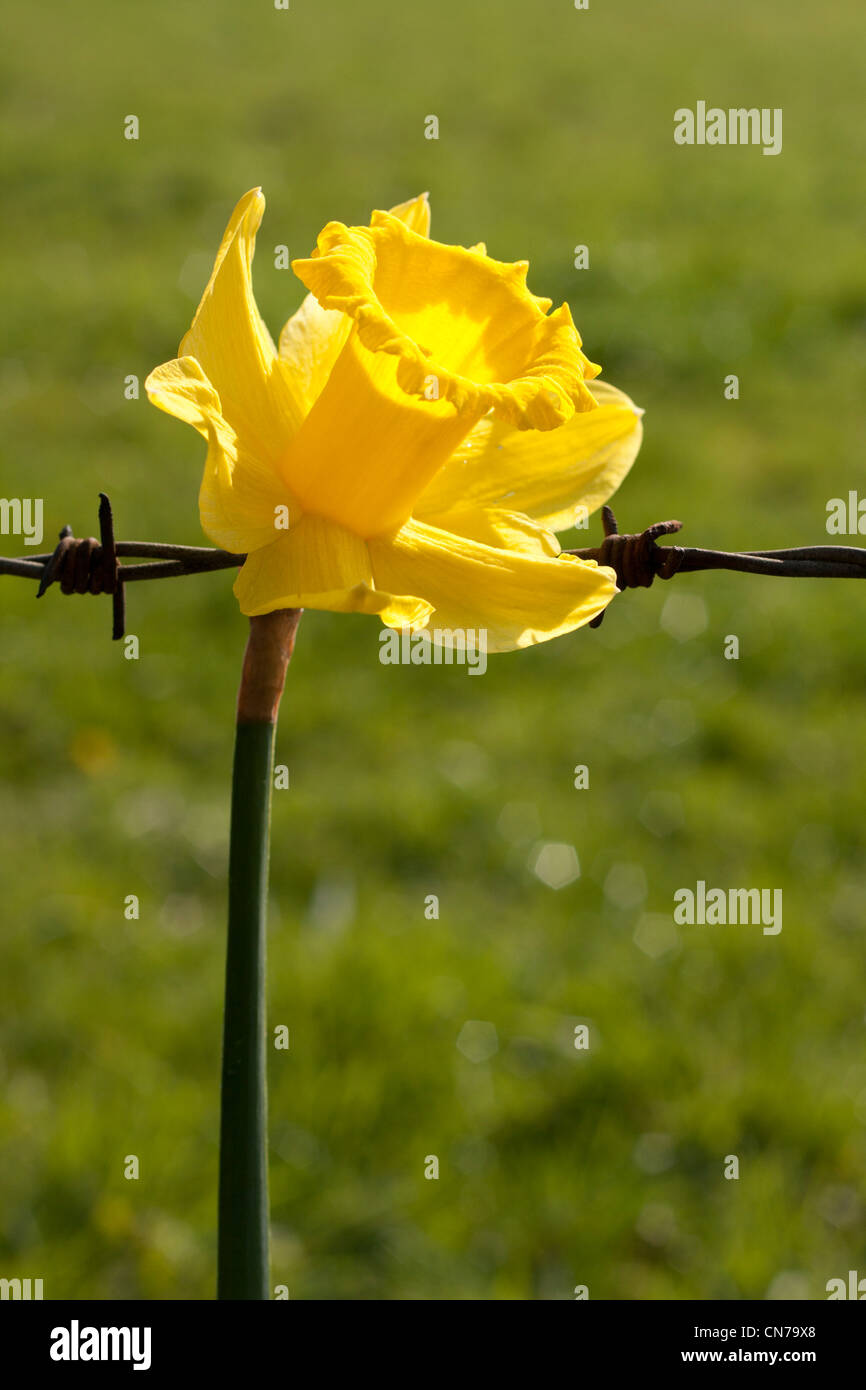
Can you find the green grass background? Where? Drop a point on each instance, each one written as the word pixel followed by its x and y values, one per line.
pixel 557 1167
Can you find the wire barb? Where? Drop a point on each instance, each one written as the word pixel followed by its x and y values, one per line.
pixel 83 565
pixel 636 560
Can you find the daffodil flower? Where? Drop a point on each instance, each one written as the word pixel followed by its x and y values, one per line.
pixel 412 445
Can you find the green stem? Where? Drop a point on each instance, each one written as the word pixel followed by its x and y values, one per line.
pixel 242 1261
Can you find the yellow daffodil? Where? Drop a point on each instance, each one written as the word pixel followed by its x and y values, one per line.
pixel 409 449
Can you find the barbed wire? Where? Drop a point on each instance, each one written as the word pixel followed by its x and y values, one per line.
pixel 85 565
pixel 637 559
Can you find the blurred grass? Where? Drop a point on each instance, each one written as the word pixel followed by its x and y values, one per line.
pixel 557 1167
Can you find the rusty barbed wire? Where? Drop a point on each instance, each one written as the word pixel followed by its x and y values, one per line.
pixel 637 559
pixel 85 565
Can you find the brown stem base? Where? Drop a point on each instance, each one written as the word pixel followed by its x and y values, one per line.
pixel 269 651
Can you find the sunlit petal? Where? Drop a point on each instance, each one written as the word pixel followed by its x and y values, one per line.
pixel 555 477
pixel 320 565
pixel 260 398
pixel 517 599
pixel 501 529
pixel 240 493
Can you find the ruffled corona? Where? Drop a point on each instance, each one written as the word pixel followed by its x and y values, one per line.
pixel 454 314
pixel 409 450
pixel 441 336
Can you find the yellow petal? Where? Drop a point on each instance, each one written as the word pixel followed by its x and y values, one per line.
pixel 260 399
pixel 312 339
pixel 441 335
pixel 181 389
pixel 415 213
pixel 544 304
pixel 310 344
pixel 239 492
pixel 320 565
pixel 516 599
pixel 554 477
pixel 501 529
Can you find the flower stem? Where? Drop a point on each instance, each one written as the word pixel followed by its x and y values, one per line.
pixel 242 1260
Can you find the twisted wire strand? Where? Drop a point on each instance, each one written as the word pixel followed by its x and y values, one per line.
pixel 85 565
